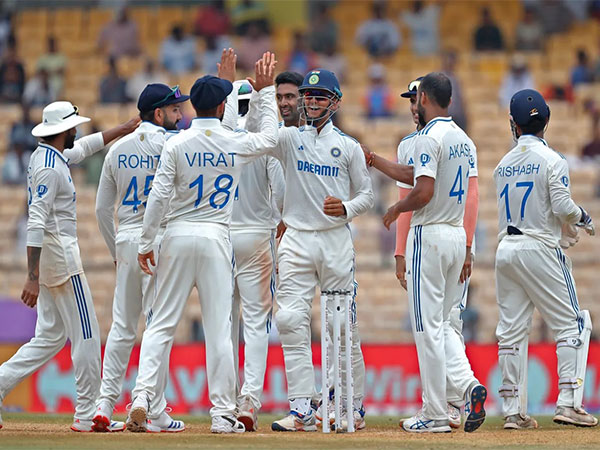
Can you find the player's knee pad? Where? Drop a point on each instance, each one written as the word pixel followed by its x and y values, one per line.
pixel 512 359
pixel 572 353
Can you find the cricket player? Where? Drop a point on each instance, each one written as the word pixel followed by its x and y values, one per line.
pixel 437 248
pixel 456 359
pixel 199 172
pixel 327 184
pixel 126 180
pixel 258 202
pixel 534 203
pixel 56 283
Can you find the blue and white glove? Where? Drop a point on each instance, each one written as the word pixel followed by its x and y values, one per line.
pixel 586 222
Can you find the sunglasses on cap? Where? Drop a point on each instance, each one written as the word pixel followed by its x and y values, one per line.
pixel 74 113
pixel 175 93
pixel 245 89
pixel 414 85
pixel 317 93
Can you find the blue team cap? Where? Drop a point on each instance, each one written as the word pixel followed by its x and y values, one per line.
pixel 527 104
pixel 413 87
pixel 321 79
pixel 157 95
pixel 209 92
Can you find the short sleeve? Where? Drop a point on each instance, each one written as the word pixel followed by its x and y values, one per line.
pixel 426 157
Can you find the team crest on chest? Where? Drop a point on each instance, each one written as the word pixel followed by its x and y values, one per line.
pixel 336 152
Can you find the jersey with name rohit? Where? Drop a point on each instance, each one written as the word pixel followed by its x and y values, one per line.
pixel 126 179
pixel 443 151
pixel 52 222
pixel 533 191
pixel 200 170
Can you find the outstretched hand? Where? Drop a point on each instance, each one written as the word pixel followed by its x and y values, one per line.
pixel 226 69
pixel 264 72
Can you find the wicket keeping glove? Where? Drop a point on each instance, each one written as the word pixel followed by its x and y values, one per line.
pixel 586 222
pixel 569 236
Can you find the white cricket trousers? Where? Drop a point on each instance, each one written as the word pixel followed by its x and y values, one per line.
pixel 254 291
pixel 530 274
pixel 434 259
pixel 134 293
pixel 192 255
pixel 307 259
pixel 64 312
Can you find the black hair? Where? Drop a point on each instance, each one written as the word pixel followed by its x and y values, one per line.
pixel 147 116
pixel 289 77
pixel 535 125
pixel 438 88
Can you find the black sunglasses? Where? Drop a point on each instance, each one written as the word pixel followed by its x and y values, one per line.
pixel 74 113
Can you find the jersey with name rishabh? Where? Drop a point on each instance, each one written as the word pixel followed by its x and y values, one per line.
pixel 443 151
pixel 52 222
pixel 532 187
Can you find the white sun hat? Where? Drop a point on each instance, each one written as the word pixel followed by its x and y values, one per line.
pixel 58 117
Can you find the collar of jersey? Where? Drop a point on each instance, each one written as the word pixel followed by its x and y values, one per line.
pixel 205 122
pixel 531 138
pixel 146 125
pixel 327 128
pixel 49 147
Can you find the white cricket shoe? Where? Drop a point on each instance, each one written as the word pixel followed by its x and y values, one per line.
pixel 421 424
pixel 519 422
pixel 226 424
pixel 295 421
pixel 454 417
pixel 359 419
pixel 138 414
pixel 87 426
pixel 164 424
pixel 248 414
pixel 102 418
pixel 579 417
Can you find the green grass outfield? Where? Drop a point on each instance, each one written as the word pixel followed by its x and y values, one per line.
pixel 37 431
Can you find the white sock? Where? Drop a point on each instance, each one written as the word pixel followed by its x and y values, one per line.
pixel 300 405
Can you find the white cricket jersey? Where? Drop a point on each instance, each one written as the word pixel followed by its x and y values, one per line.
pixel 405 152
pixel 52 222
pixel 200 170
pixel 126 180
pixel 532 186
pixel 444 152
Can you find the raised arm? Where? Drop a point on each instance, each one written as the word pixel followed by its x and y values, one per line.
pixel 227 70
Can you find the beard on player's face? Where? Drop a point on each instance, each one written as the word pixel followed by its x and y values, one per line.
pixel 170 125
pixel 70 138
pixel 421 112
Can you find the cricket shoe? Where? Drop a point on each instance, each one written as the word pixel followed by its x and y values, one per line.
pixel 475 407
pixel 579 417
pixel 454 417
pixel 102 418
pixel 295 421
pixel 519 422
pixel 226 424
pixel 330 408
pixel 248 414
pixel 359 420
pixel 87 426
pixel 421 424
pixel 137 418
pixel 164 424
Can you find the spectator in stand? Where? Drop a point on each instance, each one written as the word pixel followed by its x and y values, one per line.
pixel 378 35
pixel 457 106
pixel 582 73
pixel 592 149
pixel 334 61
pixel 21 130
pixel 149 75
pixel 55 63
pixel 5 29
pixel 423 22
pixel 247 13
pixel 323 35
pixel 21 145
pixel 112 86
pixel 38 90
pixel 120 37
pixel 488 36
pixel 212 20
pixel 178 52
pixel 554 16
pixel 379 100
pixel 252 46
pixel 529 34
pixel 12 75
pixel 301 58
pixel 517 79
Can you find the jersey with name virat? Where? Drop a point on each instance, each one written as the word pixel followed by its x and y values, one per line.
pixel 127 176
pixel 200 170
pixel 317 165
pixel 443 151
pixel 52 222
pixel 532 187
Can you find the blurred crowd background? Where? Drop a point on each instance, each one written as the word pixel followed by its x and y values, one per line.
pixel 100 55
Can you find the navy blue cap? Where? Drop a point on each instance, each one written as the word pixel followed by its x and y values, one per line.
pixel 527 104
pixel 321 79
pixel 413 87
pixel 209 92
pixel 157 95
